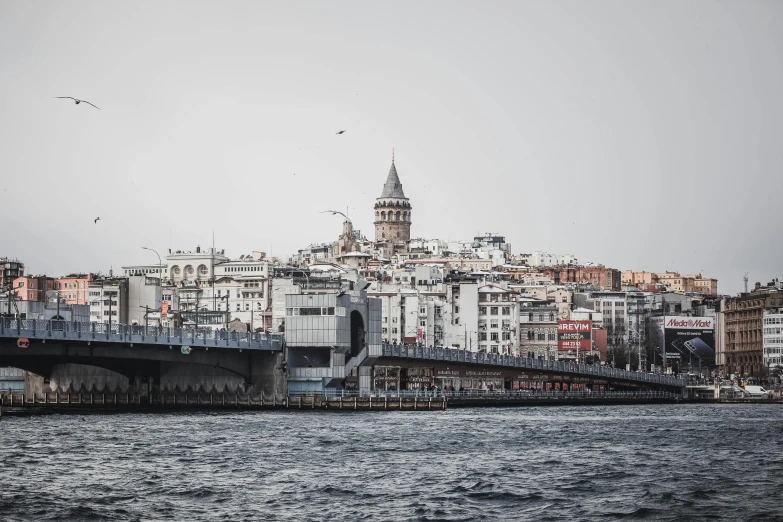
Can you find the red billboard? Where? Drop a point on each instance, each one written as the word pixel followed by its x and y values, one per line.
pixel 574 335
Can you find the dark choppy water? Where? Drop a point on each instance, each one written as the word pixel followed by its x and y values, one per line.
pixel 646 462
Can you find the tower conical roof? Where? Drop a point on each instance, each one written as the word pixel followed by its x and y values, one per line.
pixel 393 188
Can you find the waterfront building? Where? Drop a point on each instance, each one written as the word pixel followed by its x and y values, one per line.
pixel 498 320
pixel 538 328
pixel 143 298
pixel 742 319
pixel 772 355
pixel 108 300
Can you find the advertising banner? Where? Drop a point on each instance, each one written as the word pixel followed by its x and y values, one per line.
pixel 574 335
pixel 164 309
pixel 690 339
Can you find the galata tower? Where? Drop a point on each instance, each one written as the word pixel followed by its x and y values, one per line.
pixel 392 211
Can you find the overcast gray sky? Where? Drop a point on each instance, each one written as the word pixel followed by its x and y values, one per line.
pixel 643 135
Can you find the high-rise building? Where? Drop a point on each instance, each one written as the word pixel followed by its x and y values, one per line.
pixel 392 211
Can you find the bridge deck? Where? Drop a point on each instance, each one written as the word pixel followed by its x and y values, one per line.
pixel 36 329
pixel 524 363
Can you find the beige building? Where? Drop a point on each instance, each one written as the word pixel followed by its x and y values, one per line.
pixel 705 285
pixel 639 279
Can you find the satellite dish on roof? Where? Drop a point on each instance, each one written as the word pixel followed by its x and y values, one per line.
pixel 50 294
pixel 242 256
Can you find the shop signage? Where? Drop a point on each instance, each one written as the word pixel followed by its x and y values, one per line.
pixel 471 373
pixel 574 335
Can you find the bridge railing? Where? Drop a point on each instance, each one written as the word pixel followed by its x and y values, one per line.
pixel 512 361
pixel 124 333
pixel 493 394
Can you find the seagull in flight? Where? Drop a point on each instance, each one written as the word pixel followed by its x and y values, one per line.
pixel 341 132
pixel 96 220
pixel 78 101
pixel 335 212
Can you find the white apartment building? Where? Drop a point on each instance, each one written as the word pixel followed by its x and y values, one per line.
pixel 539 258
pixel 108 300
pixel 613 308
pixel 772 336
pixel 411 317
pixel 498 320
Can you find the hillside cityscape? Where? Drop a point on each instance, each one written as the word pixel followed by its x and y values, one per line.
pixel 475 294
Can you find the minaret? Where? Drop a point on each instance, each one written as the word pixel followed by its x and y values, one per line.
pixel 392 211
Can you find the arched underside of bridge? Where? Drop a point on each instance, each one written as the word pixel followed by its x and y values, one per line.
pixel 475 370
pixel 112 368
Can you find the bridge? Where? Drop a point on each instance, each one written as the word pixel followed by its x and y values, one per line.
pixel 100 357
pixel 540 370
pixel 73 356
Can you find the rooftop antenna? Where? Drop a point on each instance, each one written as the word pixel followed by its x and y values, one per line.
pixel 746 282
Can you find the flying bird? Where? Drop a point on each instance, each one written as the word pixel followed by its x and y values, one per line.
pixel 335 212
pixel 78 101
pixel 96 220
pixel 341 132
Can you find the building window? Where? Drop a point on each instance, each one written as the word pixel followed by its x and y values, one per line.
pixel 482 310
pixel 493 310
pixel 506 310
pixel 423 323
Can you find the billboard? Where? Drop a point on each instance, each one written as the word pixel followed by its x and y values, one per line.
pixel 574 336
pixel 691 340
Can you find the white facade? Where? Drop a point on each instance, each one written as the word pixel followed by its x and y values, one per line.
pixel 772 339
pixel 108 300
pixel 498 320
pixel 193 266
pixel 539 258
pixel 143 291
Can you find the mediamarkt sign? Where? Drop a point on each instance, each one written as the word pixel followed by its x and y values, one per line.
pixel 574 335
pixel 691 340
pixel 690 323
